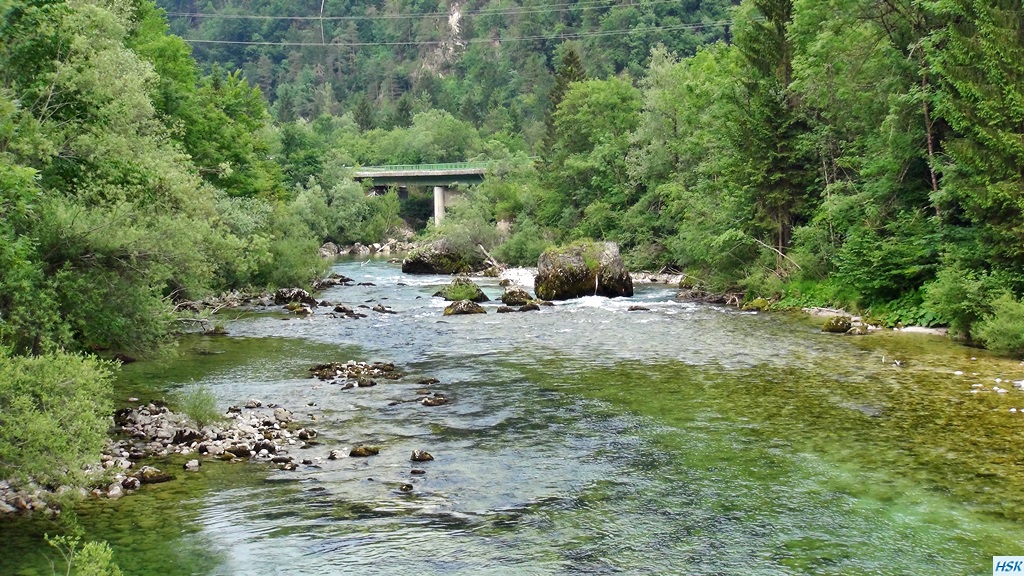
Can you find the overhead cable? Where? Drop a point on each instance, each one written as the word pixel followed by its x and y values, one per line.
pixel 565 36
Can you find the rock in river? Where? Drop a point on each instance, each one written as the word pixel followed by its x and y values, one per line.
pixel 516 296
pixel 462 289
pixel 464 307
pixel 582 269
pixel 421 456
pixel 443 257
pixel 364 451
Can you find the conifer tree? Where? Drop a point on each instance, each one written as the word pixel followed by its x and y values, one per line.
pixel 571 70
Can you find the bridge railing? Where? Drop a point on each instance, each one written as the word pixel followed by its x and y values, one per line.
pixel 427 167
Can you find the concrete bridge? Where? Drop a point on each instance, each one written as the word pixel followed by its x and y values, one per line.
pixel 441 176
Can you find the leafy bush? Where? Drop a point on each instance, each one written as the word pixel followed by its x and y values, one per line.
pixel 200 405
pixel 525 245
pixel 1002 331
pixel 958 297
pixel 54 413
pixel 89 559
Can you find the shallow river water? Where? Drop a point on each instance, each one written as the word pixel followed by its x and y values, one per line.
pixel 582 439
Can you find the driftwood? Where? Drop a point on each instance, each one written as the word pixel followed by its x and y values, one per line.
pixel 490 258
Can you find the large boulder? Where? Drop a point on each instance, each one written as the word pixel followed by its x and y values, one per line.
pixel 443 257
pixel 582 269
pixel 462 289
pixel 516 296
pixel 463 307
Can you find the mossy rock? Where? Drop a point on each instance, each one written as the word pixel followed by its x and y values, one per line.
pixel 464 307
pixel 837 325
pixel 442 257
pixel 584 268
pixel 759 304
pixel 462 289
pixel 516 296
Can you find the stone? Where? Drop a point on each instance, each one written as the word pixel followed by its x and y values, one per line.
pixel 417 471
pixel 837 325
pixel 428 381
pixel 192 466
pixel 115 491
pixel 406 487
pixel 329 250
pixel 187 436
pixel 434 401
pixel 582 269
pixel 463 307
pixel 758 304
pixel 265 445
pixel 443 257
pixel 290 295
pixel 239 450
pixel 531 307
pixel 462 289
pixel 364 451
pixel 505 309
pixel 131 483
pixel 638 309
pixel 282 415
pixel 253 403
pixel 334 455
pixel 516 296
pixel 383 309
pixel 421 456
pixel 151 475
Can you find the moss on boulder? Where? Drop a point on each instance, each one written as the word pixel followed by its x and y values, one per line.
pixel 462 289
pixel 837 325
pixel 583 268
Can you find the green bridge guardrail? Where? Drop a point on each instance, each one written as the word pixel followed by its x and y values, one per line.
pixel 427 167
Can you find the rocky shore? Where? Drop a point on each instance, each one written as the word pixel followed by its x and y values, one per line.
pixel 253 432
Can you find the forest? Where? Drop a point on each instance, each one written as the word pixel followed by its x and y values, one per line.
pixel 867 154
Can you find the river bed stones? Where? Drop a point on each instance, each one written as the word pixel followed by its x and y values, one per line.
pixel 351 369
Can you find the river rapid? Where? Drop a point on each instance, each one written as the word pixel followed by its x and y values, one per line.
pixel 581 439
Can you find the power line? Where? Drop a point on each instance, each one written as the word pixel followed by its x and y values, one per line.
pixel 565 7
pixel 565 36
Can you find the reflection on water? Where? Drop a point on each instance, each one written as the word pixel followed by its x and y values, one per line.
pixel 585 439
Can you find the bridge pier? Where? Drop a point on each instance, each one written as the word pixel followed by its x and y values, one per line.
pixel 439 198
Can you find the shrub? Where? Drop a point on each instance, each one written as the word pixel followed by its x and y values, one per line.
pixel 525 245
pixel 54 414
pixel 200 405
pixel 1002 331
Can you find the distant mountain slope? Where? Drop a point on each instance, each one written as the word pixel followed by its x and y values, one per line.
pixel 487 62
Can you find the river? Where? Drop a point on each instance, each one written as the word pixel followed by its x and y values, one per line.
pixel 581 439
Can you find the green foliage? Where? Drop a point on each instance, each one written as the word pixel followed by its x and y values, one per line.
pixel 54 413
pixel 89 559
pixel 960 298
pixel 1002 331
pixel 525 245
pixel 200 405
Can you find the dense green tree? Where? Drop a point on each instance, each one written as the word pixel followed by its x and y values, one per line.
pixel 979 58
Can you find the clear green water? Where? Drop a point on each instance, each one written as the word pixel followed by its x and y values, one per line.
pixel 584 439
